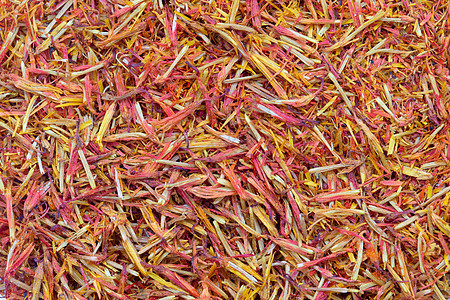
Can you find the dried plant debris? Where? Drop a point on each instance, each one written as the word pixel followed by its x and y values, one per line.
pixel 225 149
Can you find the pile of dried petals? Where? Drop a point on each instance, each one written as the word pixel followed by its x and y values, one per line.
pixel 224 149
